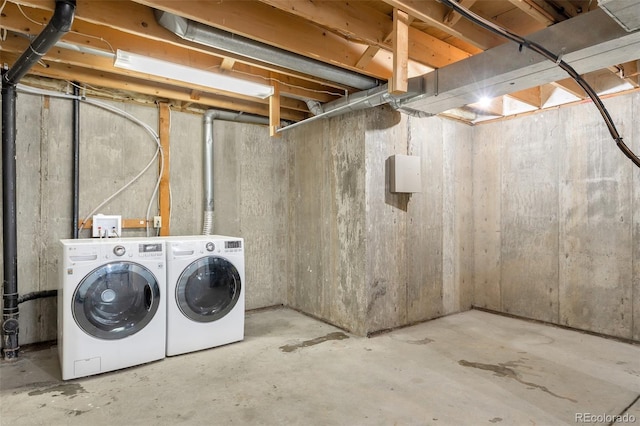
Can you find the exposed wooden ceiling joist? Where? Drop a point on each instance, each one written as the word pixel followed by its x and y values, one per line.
pixel 354 36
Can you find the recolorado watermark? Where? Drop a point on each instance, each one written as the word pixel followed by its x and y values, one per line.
pixel 605 418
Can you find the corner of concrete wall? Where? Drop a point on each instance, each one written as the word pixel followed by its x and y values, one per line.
pixel 251 201
pixel 419 246
pixel 326 220
pixel 556 227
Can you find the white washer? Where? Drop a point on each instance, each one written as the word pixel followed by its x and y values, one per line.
pixel 111 304
pixel 205 288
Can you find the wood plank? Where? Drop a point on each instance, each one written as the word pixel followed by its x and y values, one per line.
pixel 570 85
pixel 18 44
pixel 274 110
pixel 360 22
pixel 400 79
pixel 61 71
pixel 432 13
pixel 227 64
pixel 265 24
pixel 535 11
pixel 164 196
pixel 453 17
pixel 136 31
pixel 126 224
pixel 529 96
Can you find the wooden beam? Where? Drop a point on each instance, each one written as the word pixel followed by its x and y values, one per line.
pixel 536 12
pixel 432 13
pixel 274 110
pixel 529 96
pixel 551 11
pixel 265 24
pixel 96 24
pixel 570 85
pixel 358 21
pixel 62 71
pixel 164 196
pixel 126 224
pixel 227 64
pixel 400 80
pixel 453 17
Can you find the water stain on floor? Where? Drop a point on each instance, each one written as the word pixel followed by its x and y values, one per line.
pixel 503 370
pixel 64 389
pixel 331 336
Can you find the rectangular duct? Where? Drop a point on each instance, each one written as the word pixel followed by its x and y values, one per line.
pixel 624 12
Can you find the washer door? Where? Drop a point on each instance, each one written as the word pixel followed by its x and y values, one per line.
pixel 208 289
pixel 116 300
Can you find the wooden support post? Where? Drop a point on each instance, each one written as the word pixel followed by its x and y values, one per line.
pixel 400 79
pixel 163 195
pixel 274 109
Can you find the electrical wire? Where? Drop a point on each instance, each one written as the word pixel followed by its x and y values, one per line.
pixel 123 114
pixel 71 31
pixel 557 59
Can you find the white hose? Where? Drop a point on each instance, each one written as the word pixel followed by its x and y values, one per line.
pixel 123 114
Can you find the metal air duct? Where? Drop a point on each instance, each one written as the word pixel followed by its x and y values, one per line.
pixel 229 42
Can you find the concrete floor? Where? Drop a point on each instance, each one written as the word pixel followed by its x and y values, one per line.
pixel 471 368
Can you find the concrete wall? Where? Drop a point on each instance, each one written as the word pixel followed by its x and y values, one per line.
pixel 556 218
pixel 535 216
pixel 326 246
pixel 366 259
pixel 251 201
pixel 113 150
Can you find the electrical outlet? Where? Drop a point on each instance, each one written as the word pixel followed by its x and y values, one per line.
pixel 157 221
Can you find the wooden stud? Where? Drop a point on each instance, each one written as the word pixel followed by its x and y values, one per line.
pixel 274 109
pixel 400 80
pixel 164 193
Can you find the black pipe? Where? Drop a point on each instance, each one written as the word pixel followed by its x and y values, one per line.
pixel 9 223
pixel 37 295
pixel 76 161
pixel 59 24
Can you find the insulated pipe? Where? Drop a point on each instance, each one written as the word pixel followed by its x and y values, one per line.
pixel 76 161
pixel 233 43
pixel 59 24
pixel 209 117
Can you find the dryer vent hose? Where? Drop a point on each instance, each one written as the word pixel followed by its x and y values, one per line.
pixel 208 223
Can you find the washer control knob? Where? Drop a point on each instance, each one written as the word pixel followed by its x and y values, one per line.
pixel 119 250
pixel 210 246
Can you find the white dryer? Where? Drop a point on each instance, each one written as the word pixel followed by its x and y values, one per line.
pixel 205 287
pixel 111 304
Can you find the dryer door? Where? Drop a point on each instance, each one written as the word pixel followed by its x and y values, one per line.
pixel 208 289
pixel 116 300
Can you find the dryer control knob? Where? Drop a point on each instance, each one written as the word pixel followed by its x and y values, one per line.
pixel 210 246
pixel 119 250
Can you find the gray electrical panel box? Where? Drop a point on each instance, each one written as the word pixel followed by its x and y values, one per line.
pixel 404 173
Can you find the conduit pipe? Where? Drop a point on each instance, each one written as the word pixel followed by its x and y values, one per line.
pixel 233 43
pixel 209 117
pixel 59 24
pixel 76 162
pixel 364 100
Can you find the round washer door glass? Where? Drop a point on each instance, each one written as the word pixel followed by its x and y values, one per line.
pixel 208 289
pixel 116 300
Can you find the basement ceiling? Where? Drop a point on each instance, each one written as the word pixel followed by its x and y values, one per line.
pixel 378 42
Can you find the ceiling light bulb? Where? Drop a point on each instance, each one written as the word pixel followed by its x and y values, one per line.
pixel 484 101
